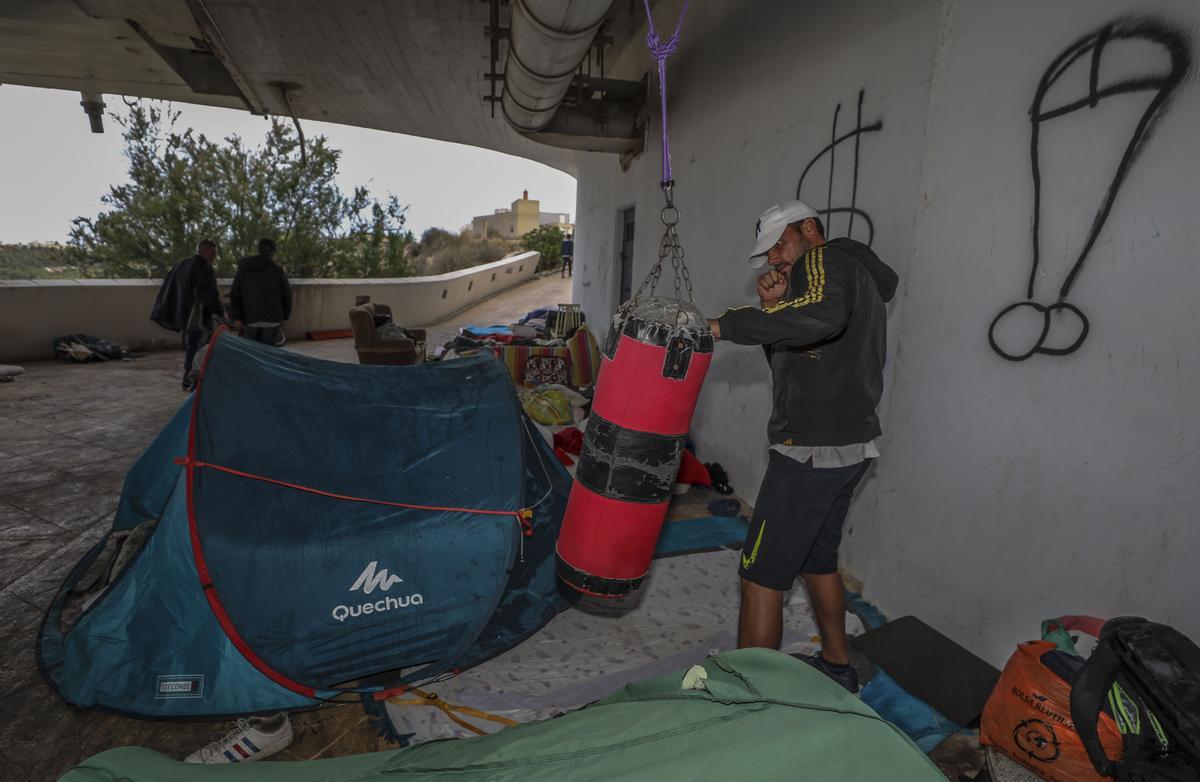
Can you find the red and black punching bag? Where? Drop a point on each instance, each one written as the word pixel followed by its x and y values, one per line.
pixel 653 365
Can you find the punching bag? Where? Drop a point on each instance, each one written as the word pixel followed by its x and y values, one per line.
pixel 653 364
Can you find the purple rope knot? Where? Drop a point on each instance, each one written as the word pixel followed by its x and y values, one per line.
pixel 659 50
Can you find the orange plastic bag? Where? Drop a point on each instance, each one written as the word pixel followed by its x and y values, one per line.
pixel 1028 718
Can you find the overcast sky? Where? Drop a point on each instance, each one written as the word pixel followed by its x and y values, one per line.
pixel 52 169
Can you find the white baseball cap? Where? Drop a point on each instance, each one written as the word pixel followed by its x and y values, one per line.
pixel 770 227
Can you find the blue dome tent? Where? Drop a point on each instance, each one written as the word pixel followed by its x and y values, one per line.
pixel 304 530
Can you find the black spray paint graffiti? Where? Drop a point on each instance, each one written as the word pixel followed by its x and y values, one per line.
pixel 1162 85
pixel 852 210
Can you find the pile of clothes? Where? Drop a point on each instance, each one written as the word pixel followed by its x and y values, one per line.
pixel 81 348
pixel 545 347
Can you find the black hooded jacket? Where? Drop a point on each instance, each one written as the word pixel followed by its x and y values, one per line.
pixel 192 278
pixel 261 292
pixel 826 342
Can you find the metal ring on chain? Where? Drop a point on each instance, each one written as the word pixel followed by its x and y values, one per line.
pixel 668 248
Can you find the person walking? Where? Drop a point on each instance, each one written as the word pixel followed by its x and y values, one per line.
pixel 188 301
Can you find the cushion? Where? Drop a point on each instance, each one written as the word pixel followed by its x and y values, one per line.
pixel 547 369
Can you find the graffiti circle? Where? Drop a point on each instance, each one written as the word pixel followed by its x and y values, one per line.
pixel 1039 344
pixel 1037 740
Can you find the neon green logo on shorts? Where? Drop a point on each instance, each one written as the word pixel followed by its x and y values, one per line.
pixel 748 561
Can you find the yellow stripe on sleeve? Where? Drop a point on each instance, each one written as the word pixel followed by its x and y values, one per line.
pixel 814 271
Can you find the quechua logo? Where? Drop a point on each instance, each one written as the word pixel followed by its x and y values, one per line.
pixel 371 578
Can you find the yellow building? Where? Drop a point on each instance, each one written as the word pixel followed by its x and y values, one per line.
pixel 522 217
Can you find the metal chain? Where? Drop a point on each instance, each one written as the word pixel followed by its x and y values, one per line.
pixel 669 248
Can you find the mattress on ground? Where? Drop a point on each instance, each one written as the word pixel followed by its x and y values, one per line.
pixel 755 714
pixel 933 668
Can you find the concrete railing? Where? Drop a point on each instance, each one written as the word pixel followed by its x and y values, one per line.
pixel 34 312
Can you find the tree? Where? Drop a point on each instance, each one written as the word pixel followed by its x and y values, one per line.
pixel 547 240
pixel 436 238
pixel 184 187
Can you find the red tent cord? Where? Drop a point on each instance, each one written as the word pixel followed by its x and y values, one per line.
pixel 523 516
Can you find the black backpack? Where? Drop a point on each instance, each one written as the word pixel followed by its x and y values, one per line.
pixel 1148 677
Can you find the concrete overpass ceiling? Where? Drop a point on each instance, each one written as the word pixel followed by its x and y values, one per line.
pixel 90 46
pixel 411 67
pixel 417 67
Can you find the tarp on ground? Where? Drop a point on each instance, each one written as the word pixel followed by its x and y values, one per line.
pixel 761 715
pixel 302 528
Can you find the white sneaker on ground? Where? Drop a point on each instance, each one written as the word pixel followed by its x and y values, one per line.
pixel 246 742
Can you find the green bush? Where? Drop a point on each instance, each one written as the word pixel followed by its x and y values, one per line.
pixel 547 240
pixel 33 262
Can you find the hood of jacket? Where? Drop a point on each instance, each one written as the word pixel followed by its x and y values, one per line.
pixel 255 263
pixel 884 276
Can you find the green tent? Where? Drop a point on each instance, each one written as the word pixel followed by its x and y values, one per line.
pixel 758 715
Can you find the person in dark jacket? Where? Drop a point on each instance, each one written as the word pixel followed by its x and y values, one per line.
pixel 261 299
pixel 190 301
pixel 823 324
pixel 568 257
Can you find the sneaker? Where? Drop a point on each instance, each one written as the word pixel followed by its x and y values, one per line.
pixel 844 675
pixel 244 743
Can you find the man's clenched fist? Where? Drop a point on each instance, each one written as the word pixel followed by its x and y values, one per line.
pixel 772 285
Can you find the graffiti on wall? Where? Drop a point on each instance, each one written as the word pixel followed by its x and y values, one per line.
pixel 1084 58
pixel 852 211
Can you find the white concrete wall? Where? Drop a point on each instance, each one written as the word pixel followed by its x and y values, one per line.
pixel 1014 491
pixel 1008 491
pixel 34 312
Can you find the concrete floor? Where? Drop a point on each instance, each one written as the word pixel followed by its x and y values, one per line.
pixel 68 433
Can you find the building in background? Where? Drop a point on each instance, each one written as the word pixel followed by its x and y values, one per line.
pixel 522 217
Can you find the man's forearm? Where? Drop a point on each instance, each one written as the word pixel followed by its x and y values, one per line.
pixel 750 326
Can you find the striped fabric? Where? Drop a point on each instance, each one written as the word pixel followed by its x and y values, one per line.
pixel 581 353
pixel 585 357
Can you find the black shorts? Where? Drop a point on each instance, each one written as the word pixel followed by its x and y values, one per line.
pixel 797 523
